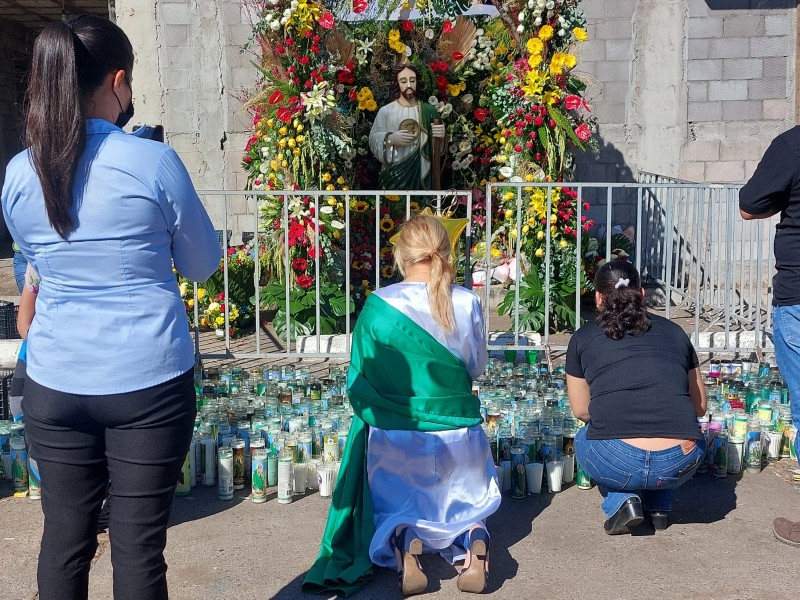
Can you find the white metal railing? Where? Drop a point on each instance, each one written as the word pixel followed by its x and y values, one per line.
pixel 712 269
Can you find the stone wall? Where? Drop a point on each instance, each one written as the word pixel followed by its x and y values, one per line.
pixel 690 89
pixel 189 76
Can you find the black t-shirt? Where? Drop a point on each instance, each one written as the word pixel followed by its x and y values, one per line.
pixel 639 384
pixel 776 185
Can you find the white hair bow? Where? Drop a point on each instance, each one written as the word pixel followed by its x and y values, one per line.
pixel 621 282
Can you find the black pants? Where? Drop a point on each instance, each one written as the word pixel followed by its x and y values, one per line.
pixel 139 440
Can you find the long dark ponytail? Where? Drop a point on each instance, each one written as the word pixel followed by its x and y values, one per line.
pixel 623 311
pixel 70 60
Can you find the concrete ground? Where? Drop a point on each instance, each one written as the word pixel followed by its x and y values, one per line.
pixel 551 546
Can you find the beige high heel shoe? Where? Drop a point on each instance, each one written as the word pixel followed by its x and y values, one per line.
pixel 406 550
pixel 475 574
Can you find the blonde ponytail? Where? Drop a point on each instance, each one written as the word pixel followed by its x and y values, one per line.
pixel 421 239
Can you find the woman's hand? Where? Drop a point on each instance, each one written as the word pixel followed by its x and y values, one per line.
pixel 579 397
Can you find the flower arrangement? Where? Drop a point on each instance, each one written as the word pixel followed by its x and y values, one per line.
pixel 214 315
pixel 241 289
pixel 505 87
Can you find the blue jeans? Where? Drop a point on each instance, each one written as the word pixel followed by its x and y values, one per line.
pixel 20 264
pixel 786 337
pixel 622 471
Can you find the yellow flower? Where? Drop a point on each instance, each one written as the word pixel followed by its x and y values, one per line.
pixel 414 206
pixel 270 122
pixel 501 49
pixel 386 271
pixel 386 224
pixel 282 130
pixel 508 196
pixel 331 201
pixel 534 82
pixel 340 180
pixel 365 283
pixel 540 235
pixel 190 302
pixel 545 32
pixel 371 105
pixel 336 234
pixel 300 139
pixel 326 177
pixel 539 253
pixel 534 60
pixel 534 46
pixel 570 61
pixel 550 97
pixel 525 229
pixel 340 211
pixel 201 293
pixel 563 243
pixel 509 214
pixel 330 187
pixel 360 206
pixel 394 35
pixel 219 321
pixel 580 34
pixel 392 198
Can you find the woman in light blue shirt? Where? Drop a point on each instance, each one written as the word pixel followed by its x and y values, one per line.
pixel 103 216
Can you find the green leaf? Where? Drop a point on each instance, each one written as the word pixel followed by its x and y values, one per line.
pixel 562 121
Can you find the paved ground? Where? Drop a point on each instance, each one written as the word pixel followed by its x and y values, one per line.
pixel 545 547
pixel 720 546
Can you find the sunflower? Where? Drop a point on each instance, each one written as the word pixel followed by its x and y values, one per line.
pixel 414 206
pixel 360 206
pixel 387 271
pixel 386 224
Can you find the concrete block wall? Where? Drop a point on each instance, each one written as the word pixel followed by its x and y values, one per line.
pixel 685 89
pixel 190 76
pixel 740 73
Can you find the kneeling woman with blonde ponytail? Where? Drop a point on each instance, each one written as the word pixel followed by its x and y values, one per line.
pixel 417 474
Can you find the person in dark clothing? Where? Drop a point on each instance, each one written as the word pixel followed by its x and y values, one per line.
pixel 774 189
pixel 634 379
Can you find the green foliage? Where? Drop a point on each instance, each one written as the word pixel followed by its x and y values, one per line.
pixel 302 305
pixel 532 304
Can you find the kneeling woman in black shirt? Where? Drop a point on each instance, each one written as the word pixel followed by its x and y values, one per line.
pixel 634 378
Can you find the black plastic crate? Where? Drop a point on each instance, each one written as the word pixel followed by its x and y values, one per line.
pixel 8 320
pixel 6 375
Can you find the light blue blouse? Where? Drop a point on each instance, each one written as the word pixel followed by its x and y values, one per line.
pixel 109 317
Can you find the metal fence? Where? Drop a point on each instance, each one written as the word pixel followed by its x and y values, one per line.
pixel 702 265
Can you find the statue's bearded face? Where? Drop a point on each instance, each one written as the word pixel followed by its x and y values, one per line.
pixel 407 80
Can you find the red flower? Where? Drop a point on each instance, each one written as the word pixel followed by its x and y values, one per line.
pixel 312 253
pixel 359 6
pixel 583 132
pixel 326 21
pixel 447 27
pixel 408 26
pixel 300 264
pixel 457 55
pixel 482 114
pixel 304 60
pixel 284 114
pixel 353 95
pixel 279 49
pixel 572 102
pixel 538 121
pixel 247 159
pixel 275 97
pixel 305 282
